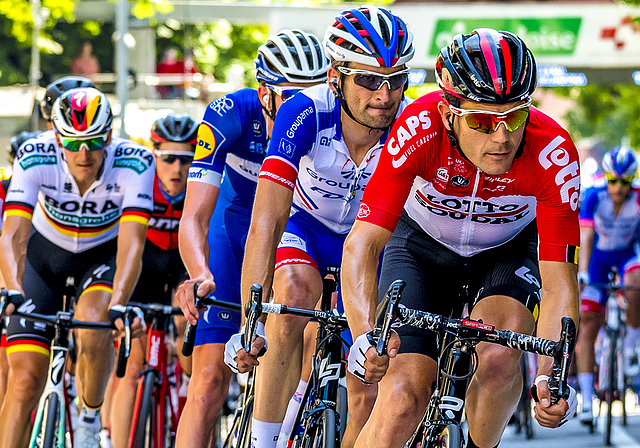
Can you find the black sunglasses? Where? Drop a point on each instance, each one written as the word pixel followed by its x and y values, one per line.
pixel 170 158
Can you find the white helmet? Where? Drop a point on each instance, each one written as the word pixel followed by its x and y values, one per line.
pixel 81 113
pixel 371 36
pixel 291 56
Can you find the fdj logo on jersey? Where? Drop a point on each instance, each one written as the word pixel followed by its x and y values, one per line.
pixel 568 176
pixel 133 158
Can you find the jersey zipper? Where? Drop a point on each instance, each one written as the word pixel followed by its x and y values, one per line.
pixel 467 223
pixel 354 187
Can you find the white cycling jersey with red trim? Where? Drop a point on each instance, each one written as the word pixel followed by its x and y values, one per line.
pixel 462 207
pixel 42 189
pixel 308 155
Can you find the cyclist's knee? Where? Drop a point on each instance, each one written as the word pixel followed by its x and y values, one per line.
pixel 406 398
pixel 209 384
pixel 25 384
pixel 497 364
pixel 297 286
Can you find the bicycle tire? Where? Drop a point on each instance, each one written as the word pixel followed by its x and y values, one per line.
pixel 244 432
pixel 342 409
pixel 142 430
pixel 450 437
pixel 325 436
pixel 52 411
pixel 611 360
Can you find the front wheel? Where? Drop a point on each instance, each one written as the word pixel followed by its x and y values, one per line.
pixel 319 433
pixel 450 437
pixel 51 411
pixel 142 427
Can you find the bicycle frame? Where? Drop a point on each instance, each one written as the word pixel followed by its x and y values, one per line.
pixel 157 362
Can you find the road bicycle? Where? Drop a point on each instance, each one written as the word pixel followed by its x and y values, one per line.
pixel 441 424
pixel 52 426
pixel 321 420
pixel 524 412
pixel 611 384
pixel 157 408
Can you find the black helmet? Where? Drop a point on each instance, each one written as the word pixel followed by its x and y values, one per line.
pixel 179 128
pixel 18 140
pixel 57 88
pixel 487 66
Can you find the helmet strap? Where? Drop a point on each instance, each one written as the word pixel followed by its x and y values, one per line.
pixel 343 104
pixel 271 113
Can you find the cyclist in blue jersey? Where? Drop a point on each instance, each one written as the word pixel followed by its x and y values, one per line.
pixel 325 146
pixel 232 142
pixel 609 222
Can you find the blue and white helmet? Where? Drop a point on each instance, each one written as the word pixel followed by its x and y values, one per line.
pixel 291 56
pixel 620 162
pixel 371 36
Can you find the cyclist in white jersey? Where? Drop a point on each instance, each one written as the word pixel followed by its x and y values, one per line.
pixel 89 197
pixel 325 145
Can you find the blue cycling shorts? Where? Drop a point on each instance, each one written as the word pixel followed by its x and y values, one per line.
pixel 227 237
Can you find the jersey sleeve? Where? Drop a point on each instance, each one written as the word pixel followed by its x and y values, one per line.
pixel 137 203
pixel 588 207
pixel 405 152
pixel 557 169
pixel 22 196
pixel 294 134
pixel 218 133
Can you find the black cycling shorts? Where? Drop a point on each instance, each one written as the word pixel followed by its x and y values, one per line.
pixel 47 267
pixel 441 281
pixel 162 271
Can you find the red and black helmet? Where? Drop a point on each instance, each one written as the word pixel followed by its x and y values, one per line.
pixel 179 128
pixel 487 66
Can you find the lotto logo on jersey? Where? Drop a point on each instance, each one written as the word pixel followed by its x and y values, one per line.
pixel 207 142
pixel 568 178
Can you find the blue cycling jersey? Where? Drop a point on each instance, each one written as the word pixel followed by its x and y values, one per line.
pixel 612 233
pixel 232 142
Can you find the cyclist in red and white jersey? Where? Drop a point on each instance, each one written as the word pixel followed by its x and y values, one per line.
pixel 324 147
pixel 174 140
pixel 87 196
pixel 476 200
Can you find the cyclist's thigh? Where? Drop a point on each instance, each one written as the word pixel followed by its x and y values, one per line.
pixel 23 335
pixel 630 269
pixel 433 282
pixel 161 271
pixel 95 289
pixel 510 270
pixel 593 297
pixel 227 236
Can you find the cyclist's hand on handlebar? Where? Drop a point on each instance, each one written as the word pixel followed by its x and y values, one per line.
pixel 363 360
pixel 557 415
pixel 236 357
pixel 187 300
pixel 14 300
pixel 116 317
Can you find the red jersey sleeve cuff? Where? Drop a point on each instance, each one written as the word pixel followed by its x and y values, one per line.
pixel 378 217
pixel 558 252
pixel 279 171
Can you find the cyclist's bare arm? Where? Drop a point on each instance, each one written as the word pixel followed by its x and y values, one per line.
pixel 13 249
pixel 560 298
pixel 359 271
pixel 199 205
pixel 131 241
pixel 587 234
pixel 269 217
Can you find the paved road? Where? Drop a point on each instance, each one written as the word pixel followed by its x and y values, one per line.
pixel 574 435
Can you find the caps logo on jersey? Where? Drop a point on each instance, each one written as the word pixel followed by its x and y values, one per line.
pixel 207 142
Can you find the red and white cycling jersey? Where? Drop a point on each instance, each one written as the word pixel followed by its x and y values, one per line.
pixel 465 209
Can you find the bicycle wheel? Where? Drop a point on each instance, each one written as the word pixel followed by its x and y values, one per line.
pixel 342 408
pixel 244 431
pixel 142 428
pixel 450 437
pixel 51 411
pixel 325 435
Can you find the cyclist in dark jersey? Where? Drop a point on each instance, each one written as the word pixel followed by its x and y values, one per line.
pixel 174 140
pixel 476 199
